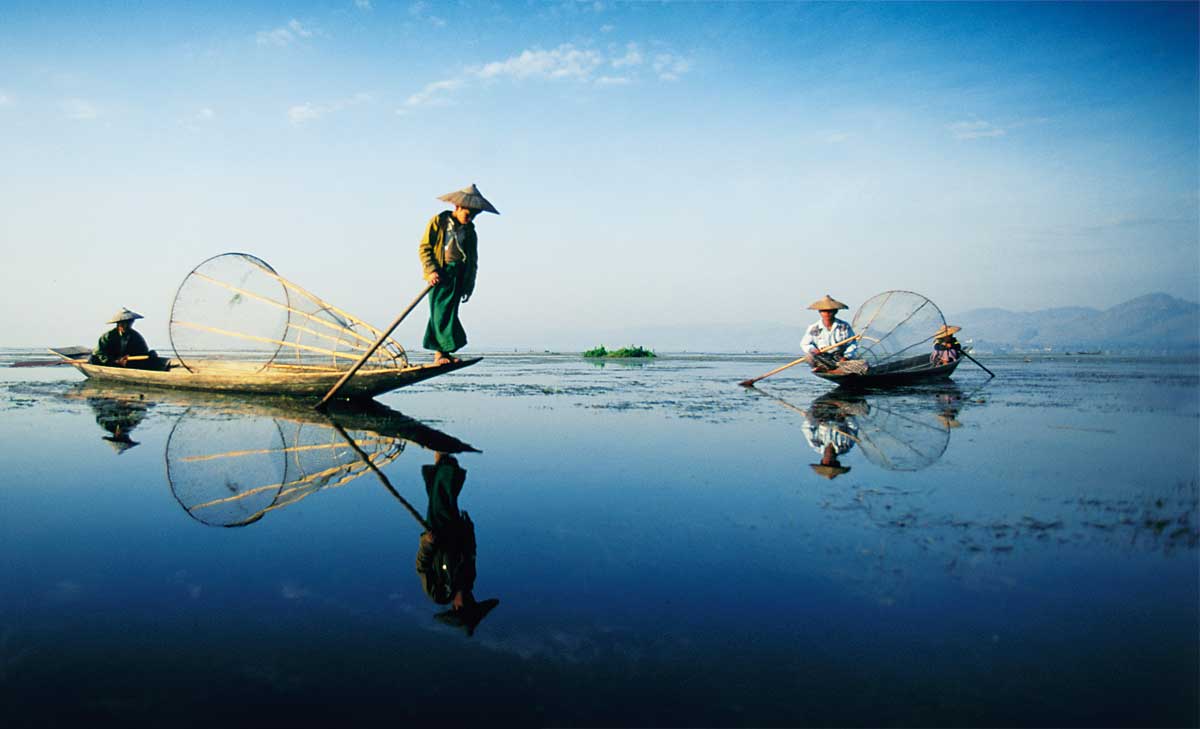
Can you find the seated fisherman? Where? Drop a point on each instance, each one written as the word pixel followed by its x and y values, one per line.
pixel 946 348
pixel 829 330
pixel 123 347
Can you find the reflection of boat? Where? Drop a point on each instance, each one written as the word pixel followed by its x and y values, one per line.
pixel 903 430
pixel 230 460
pixel 896 330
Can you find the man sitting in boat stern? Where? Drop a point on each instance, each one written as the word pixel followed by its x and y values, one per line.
pixel 826 332
pixel 123 347
pixel 946 348
pixel 449 261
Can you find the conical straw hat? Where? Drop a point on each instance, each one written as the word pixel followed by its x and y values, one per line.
pixel 124 314
pixel 470 197
pixel 827 303
pixel 946 331
pixel 830 472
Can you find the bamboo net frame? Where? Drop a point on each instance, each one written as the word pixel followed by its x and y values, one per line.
pixel 285 326
pixel 315 458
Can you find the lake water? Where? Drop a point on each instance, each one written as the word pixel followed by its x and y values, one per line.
pixel 666 548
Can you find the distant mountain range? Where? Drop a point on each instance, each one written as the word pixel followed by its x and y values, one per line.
pixel 1156 323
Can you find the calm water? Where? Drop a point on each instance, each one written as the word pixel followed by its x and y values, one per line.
pixel 663 550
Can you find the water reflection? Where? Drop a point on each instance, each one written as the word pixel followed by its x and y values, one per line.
pixel 118 417
pixel 906 430
pixel 446 555
pixel 229 463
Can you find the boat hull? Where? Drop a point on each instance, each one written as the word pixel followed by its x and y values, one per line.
pixel 236 378
pixel 881 380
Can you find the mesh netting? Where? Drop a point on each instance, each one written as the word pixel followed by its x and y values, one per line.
pixel 900 440
pixel 897 329
pixel 236 307
pixel 229 472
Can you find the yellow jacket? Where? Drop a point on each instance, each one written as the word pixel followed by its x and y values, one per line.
pixel 432 250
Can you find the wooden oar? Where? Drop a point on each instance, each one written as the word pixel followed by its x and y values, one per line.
pixel 985 369
pixel 366 355
pixel 52 363
pixel 805 358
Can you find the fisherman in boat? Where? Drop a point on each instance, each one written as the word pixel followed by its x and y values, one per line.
pixel 449 259
pixel 946 348
pixel 826 332
pixel 121 346
pixel 446 555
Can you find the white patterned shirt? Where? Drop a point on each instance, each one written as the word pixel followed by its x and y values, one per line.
pixel 818 337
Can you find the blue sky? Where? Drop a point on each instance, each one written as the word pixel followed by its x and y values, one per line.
pixel 665 163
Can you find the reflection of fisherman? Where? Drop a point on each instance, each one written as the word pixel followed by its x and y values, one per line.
pixel 121 346
pixel 830 429
pixel 119 418
pixel 829 330
pixel 446 556
pixel 946 348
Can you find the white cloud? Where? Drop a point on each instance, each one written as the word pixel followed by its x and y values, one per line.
pixel 435 94
pixel 308 111
pixel 835 137
pixel 362 4
pixel 632 57
pixel 613 81
pixel 420 11
pixel 206 114
pixel 977 129
pixel 566 61
pixel 283 35
pixel 5 100
pixel 670 67
pixel 79 109
pixel 607 28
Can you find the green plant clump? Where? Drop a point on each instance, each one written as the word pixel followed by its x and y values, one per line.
pixel 628 352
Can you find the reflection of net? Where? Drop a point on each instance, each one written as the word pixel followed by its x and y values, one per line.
pixel 899 441
pixel 234 306
pixel 228 471
pixel 897 329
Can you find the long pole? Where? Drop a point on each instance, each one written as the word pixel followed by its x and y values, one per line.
pixel 805 358
pixel 383 337
pixel 985 369
pixel 382 478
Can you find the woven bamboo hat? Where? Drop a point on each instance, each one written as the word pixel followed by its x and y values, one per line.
pixel 946 331
pixel 470 197
pixel 124 314
pixel 828 303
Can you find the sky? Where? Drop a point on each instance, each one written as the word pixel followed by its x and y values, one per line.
pixel 675 164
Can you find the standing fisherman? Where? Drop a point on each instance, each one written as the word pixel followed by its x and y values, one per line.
pixel 829 330
pixel 449 259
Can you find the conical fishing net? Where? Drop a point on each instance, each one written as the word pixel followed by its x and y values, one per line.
pixel 896 329
pixel 230 471
pixel 235 307
pixel 901 438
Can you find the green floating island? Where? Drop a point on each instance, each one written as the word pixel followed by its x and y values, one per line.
pixel 624 352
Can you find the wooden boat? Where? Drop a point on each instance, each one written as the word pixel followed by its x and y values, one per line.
pixel 908 371
pixel 250 377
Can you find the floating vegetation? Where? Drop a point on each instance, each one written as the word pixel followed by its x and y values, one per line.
pixel 623 352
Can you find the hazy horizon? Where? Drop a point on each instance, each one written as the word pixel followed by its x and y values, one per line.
pixel 662 164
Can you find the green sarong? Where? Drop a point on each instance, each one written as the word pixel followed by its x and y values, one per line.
pixel 445 333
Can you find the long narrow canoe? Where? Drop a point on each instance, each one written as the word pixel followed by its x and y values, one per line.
pixel 248 377
pixel 893 374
